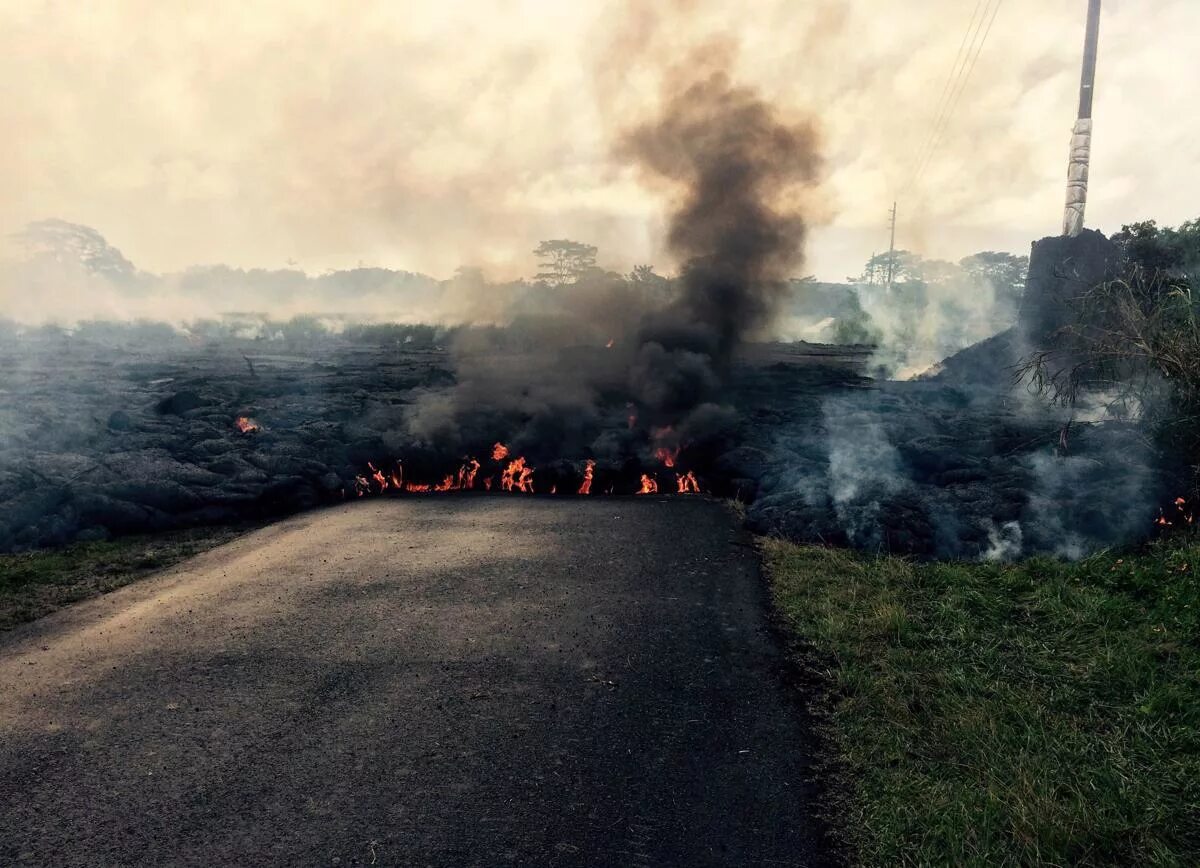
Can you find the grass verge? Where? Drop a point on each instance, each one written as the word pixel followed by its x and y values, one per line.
pixel 33 584
pixel 1039 713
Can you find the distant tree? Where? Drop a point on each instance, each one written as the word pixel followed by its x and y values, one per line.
pixel 643 274
pixel 73 244
pixel 564 261
pixel 907 268
pixel 1004 271
pixel 1155 248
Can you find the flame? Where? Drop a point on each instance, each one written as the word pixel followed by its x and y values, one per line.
pixel 608 346
pixel 588 472
pixel 246 425
pixel 517 477
pixel 466 474
pixel 1185 515
pixel 499 452
pixel 665 453
pixel 377 475
pixel 667 456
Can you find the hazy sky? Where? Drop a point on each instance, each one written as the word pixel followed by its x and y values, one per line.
pixel 428 135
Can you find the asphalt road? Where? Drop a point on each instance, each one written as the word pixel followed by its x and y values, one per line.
pixel 446 681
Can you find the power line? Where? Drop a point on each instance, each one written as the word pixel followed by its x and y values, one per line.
pixel 940 131
pixel 947 86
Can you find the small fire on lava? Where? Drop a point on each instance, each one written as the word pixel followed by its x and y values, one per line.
pixel 516 475
pixel 1183 515
pixel 246 425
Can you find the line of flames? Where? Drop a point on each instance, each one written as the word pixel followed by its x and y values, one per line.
pixel 514 476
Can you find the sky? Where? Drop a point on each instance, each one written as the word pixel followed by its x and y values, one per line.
pixel 431 135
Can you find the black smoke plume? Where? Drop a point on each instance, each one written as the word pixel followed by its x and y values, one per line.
pixel 731 166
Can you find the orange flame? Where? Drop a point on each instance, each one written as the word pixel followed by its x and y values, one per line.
pixel 687 484
pixel 665 453
pixel 499 452
pixel 588 473
pixel 377 475
pixel 487 484
pixel 649 486
pixel 517 477
pixel 466 474
pixel 246 425
pixel 417 487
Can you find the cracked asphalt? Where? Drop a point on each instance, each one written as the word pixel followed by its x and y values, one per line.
pixel 451 681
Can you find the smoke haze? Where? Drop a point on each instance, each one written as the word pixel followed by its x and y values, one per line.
pixel 425 136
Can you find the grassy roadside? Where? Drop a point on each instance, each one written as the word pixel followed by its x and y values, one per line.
pixel 1040 713
pixel 33 584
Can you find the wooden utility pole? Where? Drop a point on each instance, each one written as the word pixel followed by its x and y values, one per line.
pixel 1081 136
pixel 891 271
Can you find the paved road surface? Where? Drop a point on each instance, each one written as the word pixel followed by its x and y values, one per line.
pixel 453 681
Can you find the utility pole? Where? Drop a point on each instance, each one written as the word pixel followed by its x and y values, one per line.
pixel 1081 136
pixel 891 271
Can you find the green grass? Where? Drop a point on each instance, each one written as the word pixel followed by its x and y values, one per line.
pixel 1041 713
pixel 34 584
